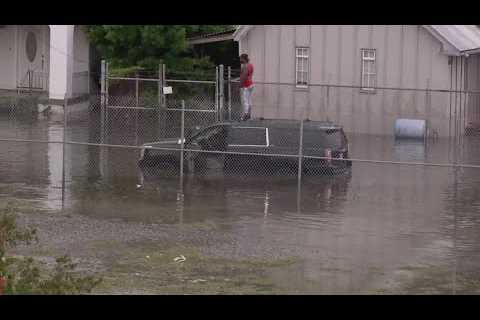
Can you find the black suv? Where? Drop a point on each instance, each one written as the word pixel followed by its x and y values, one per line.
pixel 256 144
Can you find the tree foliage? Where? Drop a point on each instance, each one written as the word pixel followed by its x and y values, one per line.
pixel 148 45
pixel 23 275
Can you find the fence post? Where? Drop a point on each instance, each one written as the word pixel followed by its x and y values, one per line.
pixel 182 136
pixel 160 92
pixel 107 65
pixel 107 70
pixel 65 105
pixel 164 83
pixel 455 193
pixel 103 101
pixel 136 89
pixel 88 82
pixel 327 109
pixel 427 112
pixel 300 154
pixel 160 85
pixel 221 96
pixel 180 195
pixel 137 105
pixel 103 117
pixel 162 112
pixel 102 84
pixel 229 92
pixel 216 93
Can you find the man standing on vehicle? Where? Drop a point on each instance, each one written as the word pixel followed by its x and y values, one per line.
pixel 246 85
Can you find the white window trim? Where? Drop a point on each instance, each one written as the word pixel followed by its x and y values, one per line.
pixel 305 68
pixel 267 139
pixel 371 76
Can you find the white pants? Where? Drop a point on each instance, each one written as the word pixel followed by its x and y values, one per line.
pixel 246 95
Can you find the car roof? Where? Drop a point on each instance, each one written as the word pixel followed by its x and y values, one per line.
pixel 283 123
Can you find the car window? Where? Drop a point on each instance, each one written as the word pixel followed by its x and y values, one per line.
pixel 248 136
pixel 330 138
pixel 206 134
pixel 284 137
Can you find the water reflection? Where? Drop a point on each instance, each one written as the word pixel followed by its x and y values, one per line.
pixel 351 230
pixel 413 151
pixel 55 158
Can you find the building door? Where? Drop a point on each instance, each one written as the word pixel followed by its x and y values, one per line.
pixel 33 49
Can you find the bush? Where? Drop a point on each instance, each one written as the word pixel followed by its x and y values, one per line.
pixel 23 275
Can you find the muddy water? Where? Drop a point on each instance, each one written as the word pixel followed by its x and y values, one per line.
pixel 383 228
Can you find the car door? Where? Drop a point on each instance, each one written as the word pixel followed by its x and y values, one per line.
pixel 252 143
pixel 210 143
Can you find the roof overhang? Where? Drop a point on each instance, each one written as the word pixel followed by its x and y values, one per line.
pixel 456 40
pixel 241 32
pixel 211 38
pixel 447 47
pixel 469 52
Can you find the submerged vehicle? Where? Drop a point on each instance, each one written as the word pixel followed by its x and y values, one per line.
pixel 273 145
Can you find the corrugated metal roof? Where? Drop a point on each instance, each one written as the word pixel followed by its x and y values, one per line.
pixel 215 34
pixel 241 31
pixel 462 37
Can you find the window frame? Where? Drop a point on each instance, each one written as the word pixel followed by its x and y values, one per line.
pixel 193 140
pixel 267 138
pixel 305 67
pixel 371 76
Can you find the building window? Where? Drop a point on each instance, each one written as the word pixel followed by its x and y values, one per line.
pixel 302 66
pixel 369 70
pixel 31 46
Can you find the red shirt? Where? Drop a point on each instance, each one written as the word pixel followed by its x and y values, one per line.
pixel 246 76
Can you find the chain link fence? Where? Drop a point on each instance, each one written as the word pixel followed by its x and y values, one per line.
pixel 136 113
pixel 371 111
pixel 143 141
pixel 322 153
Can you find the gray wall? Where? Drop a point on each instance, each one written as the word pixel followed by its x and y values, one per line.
pixel 407 57
pixel 473 84
pixel 81 63
pixel 14 63
pixel 8 53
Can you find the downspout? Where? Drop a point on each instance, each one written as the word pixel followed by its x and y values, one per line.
pixel 239 46
pixel 450 62
pixel 16 57
pixel 465 115
pixel 471 51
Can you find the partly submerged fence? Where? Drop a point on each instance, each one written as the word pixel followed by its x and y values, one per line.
pixel 420 186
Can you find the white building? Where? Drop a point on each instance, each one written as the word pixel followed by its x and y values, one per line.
pixel 366 76
pixel 52 60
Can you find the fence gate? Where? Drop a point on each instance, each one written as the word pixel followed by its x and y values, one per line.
pixel 136 109
pixel 201 97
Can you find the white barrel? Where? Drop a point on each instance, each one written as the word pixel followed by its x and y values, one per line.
pixel 410 129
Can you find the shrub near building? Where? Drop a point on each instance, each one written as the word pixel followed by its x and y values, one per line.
pixel 23 275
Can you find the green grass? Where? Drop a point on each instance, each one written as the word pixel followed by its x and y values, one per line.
pixel 430 280
pixel 148 271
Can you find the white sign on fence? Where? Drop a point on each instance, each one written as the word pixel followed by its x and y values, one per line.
pixel 167 90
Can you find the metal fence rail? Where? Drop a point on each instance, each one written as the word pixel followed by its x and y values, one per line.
pixel 104 143
pixel 128 121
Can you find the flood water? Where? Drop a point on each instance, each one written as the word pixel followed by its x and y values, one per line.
pixel 381 228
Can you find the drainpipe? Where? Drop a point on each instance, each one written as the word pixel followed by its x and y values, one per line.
pixel 471 51
pixel 465 89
